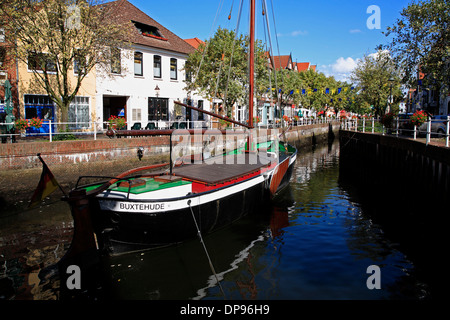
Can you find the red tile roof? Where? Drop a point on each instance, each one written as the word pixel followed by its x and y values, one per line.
pixel 195 42
pixel 302 66
pixel 123 11
pixel 282 62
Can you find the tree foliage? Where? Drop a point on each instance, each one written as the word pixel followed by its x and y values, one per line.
pixel 420 41
pixel 376 77
pixel 55 35
pixel 223 69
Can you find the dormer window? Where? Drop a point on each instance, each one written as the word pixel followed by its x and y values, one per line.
pixel 148 31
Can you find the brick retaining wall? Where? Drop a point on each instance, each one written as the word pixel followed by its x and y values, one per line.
pixel 23 155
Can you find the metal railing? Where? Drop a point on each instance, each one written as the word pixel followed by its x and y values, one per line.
pixel 436 128
pixel 93 129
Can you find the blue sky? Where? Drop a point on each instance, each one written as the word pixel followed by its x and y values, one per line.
pixel 332 34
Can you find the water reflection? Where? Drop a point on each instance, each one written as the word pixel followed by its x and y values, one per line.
pixel 315 242
pixel 31 243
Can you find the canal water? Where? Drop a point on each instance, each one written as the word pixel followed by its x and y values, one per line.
pixel 316 242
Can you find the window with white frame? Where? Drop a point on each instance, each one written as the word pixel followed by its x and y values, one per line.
pixel 173 69
pixel 157 66
pixel 79 62
pixel 79 113
pixel 41 62
pixel 116 63
pixel 138 57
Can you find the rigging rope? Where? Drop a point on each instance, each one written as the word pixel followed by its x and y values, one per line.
pixel 278 47
pixel 206 251
pixel 210 36
pixel 234 46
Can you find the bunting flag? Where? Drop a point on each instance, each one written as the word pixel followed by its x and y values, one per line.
pixel 309 91
pixel 47 184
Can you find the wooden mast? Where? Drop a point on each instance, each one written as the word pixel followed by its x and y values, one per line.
pixel 251 73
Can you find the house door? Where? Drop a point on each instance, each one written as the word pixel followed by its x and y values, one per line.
pixel 114 106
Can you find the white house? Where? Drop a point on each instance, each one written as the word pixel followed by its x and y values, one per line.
pixel 144 83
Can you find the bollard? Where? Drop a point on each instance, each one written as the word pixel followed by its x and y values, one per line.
pixel 50 130
pixel 428 130
pixel 396 130
pixel 446 135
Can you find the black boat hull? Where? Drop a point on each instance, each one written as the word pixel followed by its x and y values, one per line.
pixel 123 232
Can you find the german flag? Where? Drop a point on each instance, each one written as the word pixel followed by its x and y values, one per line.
pixel 47 184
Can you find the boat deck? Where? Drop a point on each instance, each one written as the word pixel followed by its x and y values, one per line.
pixel 232 167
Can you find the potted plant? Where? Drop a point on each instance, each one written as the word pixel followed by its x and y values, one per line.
pixel 36 122
pixel 21 124
pixel 116 122
pixel 286 119
pixel 418 118
pixel 387 119
pixel 223 124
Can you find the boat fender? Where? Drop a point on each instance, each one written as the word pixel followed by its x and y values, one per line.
pixel 115 218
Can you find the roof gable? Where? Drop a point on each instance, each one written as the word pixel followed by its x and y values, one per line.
pixel 195 42
pixel 146 31
pixel 283 62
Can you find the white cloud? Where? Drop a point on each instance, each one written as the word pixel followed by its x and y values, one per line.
pixel 299 33
pixel 293 33
pixel 344 65
pixel 355 31
pixel 376 54
pixel 340 69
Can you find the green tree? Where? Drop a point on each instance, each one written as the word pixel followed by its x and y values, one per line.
pixel 420 41
pixel 55 35
pixel 222 71
pixel 374 76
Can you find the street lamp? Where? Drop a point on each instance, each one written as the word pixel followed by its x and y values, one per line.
pixel 391 84
pixel 157 91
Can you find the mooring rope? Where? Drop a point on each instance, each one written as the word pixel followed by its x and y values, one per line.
pixel 206 251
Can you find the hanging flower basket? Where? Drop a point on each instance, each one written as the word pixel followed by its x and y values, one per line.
pixel 387 120
pixel 21 124
pixel 116 122
pixel 418 118
pixel 36 122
